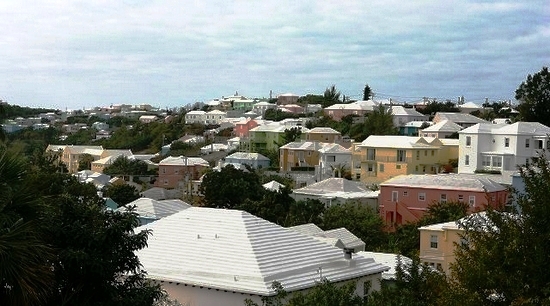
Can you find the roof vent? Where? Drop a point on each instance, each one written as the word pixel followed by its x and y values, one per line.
pixel 348 253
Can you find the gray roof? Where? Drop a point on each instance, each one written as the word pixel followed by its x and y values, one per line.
pixel 153 209
pixel 333 184
pixel 443 126
pixel 452 181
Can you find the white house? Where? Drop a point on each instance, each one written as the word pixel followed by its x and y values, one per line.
pixel 500 147
pixel 442 129
pixel 333 158
pixel 196 116
pixel 464 120
pixel 210 257
pixel 335 191
pixel 261 107
pixel 215 117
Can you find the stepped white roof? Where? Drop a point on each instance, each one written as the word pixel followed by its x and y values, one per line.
pixel 156 209
pixel 273 186
pixel 236 251
pixel 452 181
pixel 396 141
pixel 443 126
pixel 183 161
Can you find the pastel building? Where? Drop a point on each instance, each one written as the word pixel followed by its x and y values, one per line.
pixel 406 198
pixel 379 158
pixel 175 172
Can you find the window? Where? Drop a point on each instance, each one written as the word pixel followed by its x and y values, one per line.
pixel 472 200
pixel 370 167
pixel 426 152
pixel 468 141
pixel 527 143
pixel 422 196
pixel 164 170
pixel 460 197
pixel 371 154
pixel 405 193
pixel 309 153
pixel 395 196
pixel 433 241
pixel 443 198
pixel 398 167
pixel 400 155
pixel 331 158
pixel 416 168
pixel 506 142
pixel 539 144
pixel 486 161
pixel 177 171
pixel 417 155
pixel 438 267
pixel 497 161
pixel 467 160
pixel 165 182
pixel 381 167
pixel 358 176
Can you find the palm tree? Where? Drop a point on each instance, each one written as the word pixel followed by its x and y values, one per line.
pixel 331 96
pixel 25 260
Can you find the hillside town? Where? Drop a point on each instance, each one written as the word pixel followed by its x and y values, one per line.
pixel 247 199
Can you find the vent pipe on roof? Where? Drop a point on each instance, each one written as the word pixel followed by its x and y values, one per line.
pixel 348 253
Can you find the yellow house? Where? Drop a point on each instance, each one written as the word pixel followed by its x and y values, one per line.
pixel 70 154
pixel 299 154
pixel 323 134
pixel 379 158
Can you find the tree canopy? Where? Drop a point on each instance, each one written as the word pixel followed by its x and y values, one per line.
pixel 367 93
pixel 534 97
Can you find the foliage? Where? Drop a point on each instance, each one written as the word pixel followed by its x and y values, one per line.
pixel 8 111
pixel 534 97
pixel 121 194
pixel 361 220
pixel 85 162
pixel 367 93
pixel 278 115
pixel 274 206
pixel 415 285
pixel 311 99
pixel 230 187
pixel 123 166
pixel 505 253
pixel 87 251
pixel 331 96
pixel 379 122
pixel 434 107
pixel 291 135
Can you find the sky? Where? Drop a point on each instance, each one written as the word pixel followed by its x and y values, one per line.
pixel 69 54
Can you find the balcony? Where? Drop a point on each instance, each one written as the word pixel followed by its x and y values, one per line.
pixel 386 159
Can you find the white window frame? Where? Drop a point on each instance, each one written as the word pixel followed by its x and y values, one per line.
pixel 506 142
pixel 472 200
pixel 434 241
pixel 468 141
pixel 395 196
pixel 443 198
pixel 467 160
pixel 421 196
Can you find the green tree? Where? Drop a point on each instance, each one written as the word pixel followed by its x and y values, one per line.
pixel 534 97
pixel 123 166
pixel 362 221
pixel 230 187
pixel 85 162
pixel 291 135
pixel 25 274
pixel 331 96
pixel 379 122
pixel 122 194
pixel 502 259
pixel 367 93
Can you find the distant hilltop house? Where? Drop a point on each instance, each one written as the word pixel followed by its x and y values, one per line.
pixel 210 257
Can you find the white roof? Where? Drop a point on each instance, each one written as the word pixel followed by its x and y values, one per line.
pixel 348 238
pixel 470 105
pixel 389 260
pixel 323 130
pixel 334 148
pixel 334 184
pixel 196 112
pixel 183 161
pixel 273 186
pixel 156 209
pixel 236 251
pixel 247 156
pixel 403 111
pixel 309 229
pixel 452 181
pixel 443 126
pixel 517 128
pixel 459 117
pixel 395 141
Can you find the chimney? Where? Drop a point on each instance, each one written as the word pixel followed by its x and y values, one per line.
pixel 348 253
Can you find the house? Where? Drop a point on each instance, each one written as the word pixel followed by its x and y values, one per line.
pixel 379 158
pixel 470 107
pixel 299 154
pixel 292 108
pixel 270 136
pixel 195 116
pixel 215 117
pixel 412 128
pixel 213 147
pixel 390 260
pixel 148 118
pixel 500 147
pixel 99 180
pixel 287 98
pixel 254 160
pixel 70 155
pixel 336 191
pixel 261 107
pixel 402 115
pixel 442 129
pixel 406 198
pixel 158 193
pixel 242 127
pixel 210 257
pixel 243 104
pixel 334 161
pixel 358 108
pixel 339 237
pixel 107 157
pixel 150 210
pixel 464 120
pixel 175 171
pixel 323 134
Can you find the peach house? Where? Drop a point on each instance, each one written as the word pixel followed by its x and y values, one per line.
pixel 406 198
pixel 176 171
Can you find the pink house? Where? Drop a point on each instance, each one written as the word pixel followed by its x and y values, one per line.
pixel 176 172
pixel 242 127
pixel 406 198
pixel 292 108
